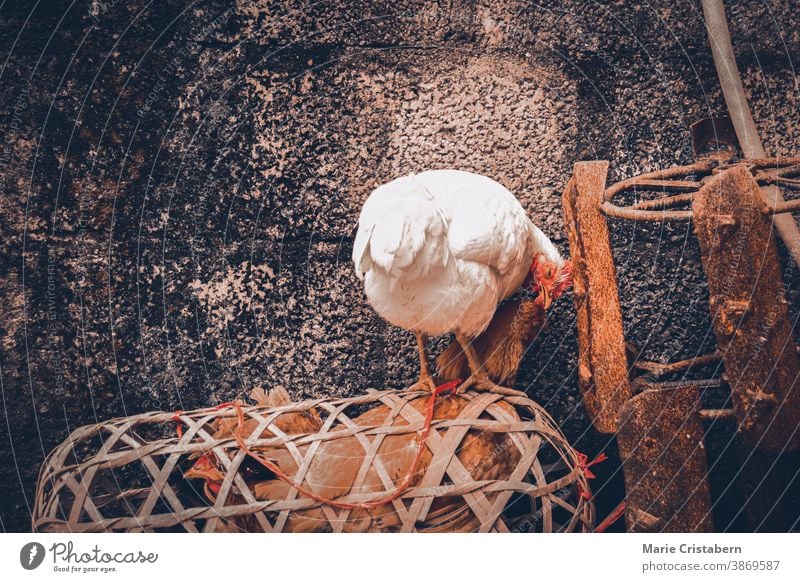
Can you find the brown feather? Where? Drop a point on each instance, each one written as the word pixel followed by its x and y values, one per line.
pixel 501 346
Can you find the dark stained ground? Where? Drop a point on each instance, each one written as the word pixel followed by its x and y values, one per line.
pixel 181 180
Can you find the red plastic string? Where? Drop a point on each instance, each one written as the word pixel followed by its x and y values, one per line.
pixel 176 417
pixel 584 464
pixel 618 512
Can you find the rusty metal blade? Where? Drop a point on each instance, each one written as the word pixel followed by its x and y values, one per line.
pixel 748 308
pixel 602 363
pixel 660 438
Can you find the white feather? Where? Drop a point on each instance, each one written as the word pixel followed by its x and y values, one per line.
pixel 437 251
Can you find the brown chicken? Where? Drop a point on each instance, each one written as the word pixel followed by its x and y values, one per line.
pixel 485 455
pixel 515 325
pixel 205 467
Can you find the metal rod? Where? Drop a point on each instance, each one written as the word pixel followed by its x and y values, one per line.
pixel 658 369
pixel 702 167
pixel 665 202
pixel 725 61
pixel 629 213
pixel 646 383
pixel 717 414
pixel 786 165
pixel 704 384
pixel 666 185
pixel 780 181
pixel 782 207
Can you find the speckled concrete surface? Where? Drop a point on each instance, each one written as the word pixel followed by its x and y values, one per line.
pixel 180 183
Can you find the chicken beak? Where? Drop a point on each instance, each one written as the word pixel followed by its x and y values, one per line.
pixel 547 299
pixel 204 469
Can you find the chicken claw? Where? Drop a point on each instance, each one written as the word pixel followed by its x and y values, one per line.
pixel 424 384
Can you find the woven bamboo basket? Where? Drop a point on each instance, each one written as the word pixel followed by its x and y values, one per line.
pixel 491 462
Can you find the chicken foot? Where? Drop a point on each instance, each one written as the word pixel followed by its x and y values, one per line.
pixel 479 380
pixel 426 381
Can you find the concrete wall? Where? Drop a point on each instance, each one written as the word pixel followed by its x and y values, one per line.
pixel 181 182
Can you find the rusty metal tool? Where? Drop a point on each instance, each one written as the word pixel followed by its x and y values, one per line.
pixel 602 361
pixel 661 447
pixel 749 312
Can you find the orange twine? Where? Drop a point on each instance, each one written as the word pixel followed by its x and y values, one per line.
pixel 398 491
pixel 584 464
pixel 618 512
pixel 176 417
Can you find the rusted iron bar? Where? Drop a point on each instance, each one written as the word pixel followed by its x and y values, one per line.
pixel 780 181
pixel 657 369
pixel 666 201
pixel 781 207
pixel 786 166
pixel 643 383
pixel 748 308
pixel 661 447
pixel 630 213
pixel 779 162
pixel 717 414
pixel 787 182
pixel 602 362
pixel 707 383
pixel 666 185
pixel 768 171
pixel 701 168
pixel 665 180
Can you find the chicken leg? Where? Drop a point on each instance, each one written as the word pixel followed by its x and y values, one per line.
pixel 426 381
pixel 479 380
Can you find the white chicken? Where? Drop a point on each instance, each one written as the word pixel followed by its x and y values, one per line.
pixel 438 251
